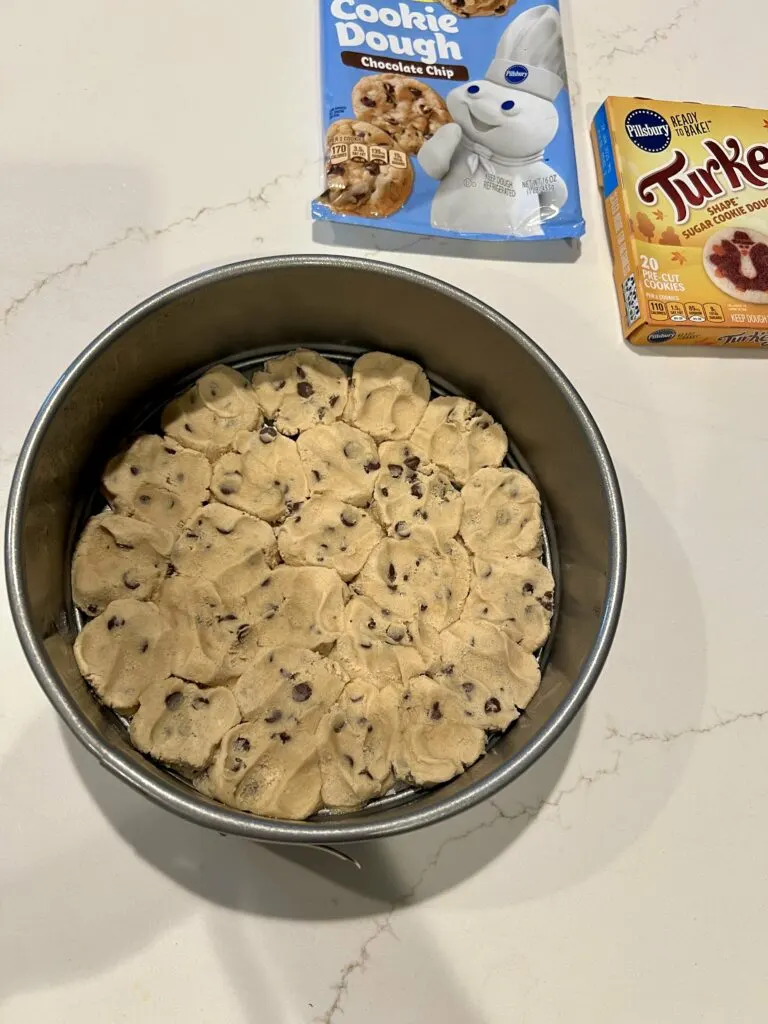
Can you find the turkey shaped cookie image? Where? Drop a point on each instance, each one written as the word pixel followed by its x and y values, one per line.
pixel 490 161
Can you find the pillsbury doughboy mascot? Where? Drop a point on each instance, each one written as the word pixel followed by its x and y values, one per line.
pixel 490 160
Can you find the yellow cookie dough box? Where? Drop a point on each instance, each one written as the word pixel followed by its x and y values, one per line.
pixel 685 189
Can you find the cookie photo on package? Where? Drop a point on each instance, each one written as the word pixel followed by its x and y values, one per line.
pixel 448 117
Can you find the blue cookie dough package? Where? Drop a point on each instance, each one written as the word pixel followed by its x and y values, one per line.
pixel 448 117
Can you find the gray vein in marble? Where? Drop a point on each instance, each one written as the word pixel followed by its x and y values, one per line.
pixel 358 964
pixel 137 233
pixel 631 738
pixel 657 36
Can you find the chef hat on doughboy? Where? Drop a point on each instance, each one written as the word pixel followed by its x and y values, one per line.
pixel 530 57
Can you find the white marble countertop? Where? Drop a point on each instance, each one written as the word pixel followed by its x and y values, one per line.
pixel 623 879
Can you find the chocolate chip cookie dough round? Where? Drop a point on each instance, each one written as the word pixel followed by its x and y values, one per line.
pixel 381 646
pixel 287 687
pixel 477 8
pixel 387 397
pixel 213 638
pixel 123 650
pixel 301 390
pixel 265 774
pixel 158 481
pixel 117 556
pixel 516 594
pixel 208 416
pixel 460 438
pixel 411 492
pixel 263 475
pixel 225 546
pixel 356 742
pixel 367 173
pixel 417 578
pixel 302 606
pixel 181 724
pixel 407 109
pixel 340 460
pixel 437 740
pixel 329 533
pixel 483 666
pixel 502 514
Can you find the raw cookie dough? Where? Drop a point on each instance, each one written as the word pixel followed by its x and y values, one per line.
pixel 516 594
pixel 417 578
pixel 180 723
pixel 409 110
pixel 213 638
pixel 460 438
pixel 369 185
pixel 212 412
pixel 437 738
pixel 411 492
pixel 340 460
pixel 302 606
pixel 502 514
pixel 125 649
pixel 266 774
pixel 329 533
pixel 117 556
pixel 357 741
pixel 379 645
pixel 263 476
pixel 288 687
pixel 157 481
pixel 493 675
pixel 300 390
pixel 387 396
pixel 225 546
pixel 477 8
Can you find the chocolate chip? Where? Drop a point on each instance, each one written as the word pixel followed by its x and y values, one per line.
pixel 224 533
pixel 92 609
pixel 301 692
pixel 384 492
pixel 528 588
pixel 242 632
pixel 468 688
pixel 144 499
pixel 284 737
pixel 170 451
pixel 348 518
pixel 316 475
pixel 435 713
pixel 417 490
pixel 371 624
pixel 271 611
pixel 301 373
pixel 373 168
pixel 424 607
pixel 229 617
pixel 228 489
pixel 143 646
pixel 371 467
pixel 266 582
pixel 412 462
pixel 115 622
pixel 200 702
pixel 305 389
pixel 396 633
pixel 171 570
pixel 416 93
pixel 174 700
pixel 188 428
pixel 391 573
pixel 486 572
pixel 131 584
pixel 367 101
pixel 279 385
pixel 395 470
pixel 366 645
pixel 274 716
pixel 492 706
pixel 448 670
pixel 241 743
pixel 191 535
pixel 338 726
pixel 333 400
pixel 135 470
pixel 267 434
pixel 402 529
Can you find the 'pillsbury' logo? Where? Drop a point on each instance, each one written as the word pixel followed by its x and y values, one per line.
pixel 516 74
pixel 648 130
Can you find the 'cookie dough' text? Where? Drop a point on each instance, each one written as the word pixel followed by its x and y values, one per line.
pixel 349 14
